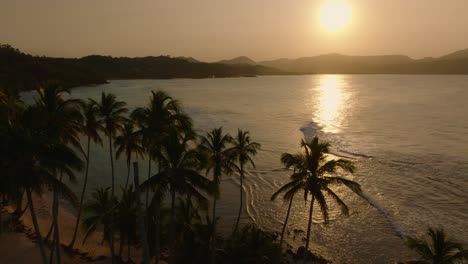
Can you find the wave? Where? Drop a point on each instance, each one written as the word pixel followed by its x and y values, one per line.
pixel 310 130
pixel 398 230
pixel 407 162
pixel 355 154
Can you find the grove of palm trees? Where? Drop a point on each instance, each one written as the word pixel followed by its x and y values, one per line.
pixel 168 215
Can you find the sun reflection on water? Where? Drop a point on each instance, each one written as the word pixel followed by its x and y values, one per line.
pixel 332 99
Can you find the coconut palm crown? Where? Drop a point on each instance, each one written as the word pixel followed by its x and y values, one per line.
pixel 438 249
pixel 314 175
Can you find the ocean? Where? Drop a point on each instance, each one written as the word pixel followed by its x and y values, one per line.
pixel 406 134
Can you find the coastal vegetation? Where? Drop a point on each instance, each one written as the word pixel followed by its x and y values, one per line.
pixel 439 249
pixel 26 72
pixel 314 174
pixel 167 216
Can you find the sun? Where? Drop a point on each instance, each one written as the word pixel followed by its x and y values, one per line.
pixel 335 15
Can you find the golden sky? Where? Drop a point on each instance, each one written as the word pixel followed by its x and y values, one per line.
pixel 216 29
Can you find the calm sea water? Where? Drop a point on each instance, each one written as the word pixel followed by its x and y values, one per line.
pixel 408 136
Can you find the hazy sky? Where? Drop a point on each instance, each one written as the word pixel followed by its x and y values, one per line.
pixel 215 29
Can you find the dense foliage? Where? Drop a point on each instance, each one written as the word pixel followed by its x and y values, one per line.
pixel 25 72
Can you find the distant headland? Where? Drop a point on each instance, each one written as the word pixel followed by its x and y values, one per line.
pixel 25 72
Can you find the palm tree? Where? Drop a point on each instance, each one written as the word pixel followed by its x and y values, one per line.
pixel 111 111
pixel 126 218
pixel 215 146
pixel 64 120
pixel 98 214
pixel 11 108
pixel 439 249
pixel 155 121
pixel 287 197
pixel 10 105
pixel 243 150
pixel 33 159
pixel 129 143
pixel 193 234
pixel 91 128
pixel 179 174
pixel 313 175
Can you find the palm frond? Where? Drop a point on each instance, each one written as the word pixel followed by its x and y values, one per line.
pixel 352 185
pixel 337 199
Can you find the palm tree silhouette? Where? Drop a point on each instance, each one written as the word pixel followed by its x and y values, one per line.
pixel 128 142
pixel 91 128
pixel 98 214
pixel 288 196
pixel 179 174
pixel 111 111
pixel 126 219
pixel 11 108
pixel 439 249
pixel 242 151
pixel 33 159
pixel 313 175
pixel 155 121
pixel 64 121
pixel 215 146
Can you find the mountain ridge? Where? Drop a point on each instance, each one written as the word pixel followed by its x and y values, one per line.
pixel 238 60
pixel 27 72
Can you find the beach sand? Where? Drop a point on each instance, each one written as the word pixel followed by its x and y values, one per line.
pixel 18 246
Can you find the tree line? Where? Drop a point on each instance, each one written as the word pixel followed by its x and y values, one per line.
pixel 22 71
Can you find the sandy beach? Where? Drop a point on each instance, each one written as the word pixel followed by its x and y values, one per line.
pixel 17 244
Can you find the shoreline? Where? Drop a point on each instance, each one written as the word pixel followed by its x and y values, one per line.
pixel 24 236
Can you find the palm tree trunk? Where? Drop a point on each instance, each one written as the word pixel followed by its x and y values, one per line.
pixel 128 251
pixel 52 225
pixel 285 222
pixel 1 221
pixel 19 210
pixel 157 243
pixel 112 165
pixel 187 211
pixel 54 205
pixel 56 230
pixel 241 196
pixel 309 226
pixel 52 251
pixel 172 226
pixel 121 242
pixel 213 235
pixel 128 173
pixel 146 256
pixel 36 227
pixel 55 211
pixel 51 228
pixel 85 183
pixel 19 204
pixel 111 238
pixel 158 231
pixel 149 176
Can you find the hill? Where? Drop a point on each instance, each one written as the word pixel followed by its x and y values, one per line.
pixel 239 60
pixel 457 55
pixel 454 63
pixel 26 72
